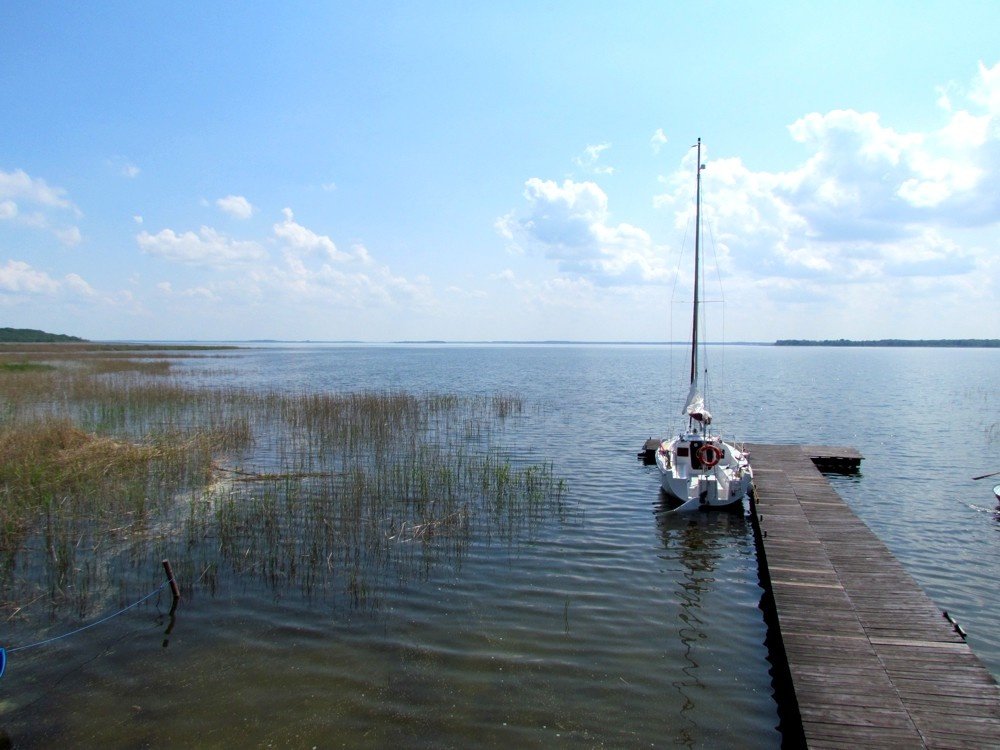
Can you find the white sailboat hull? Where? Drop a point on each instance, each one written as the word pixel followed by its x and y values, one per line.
pixel 695 484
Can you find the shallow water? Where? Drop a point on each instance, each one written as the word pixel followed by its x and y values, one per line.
pixel 604 624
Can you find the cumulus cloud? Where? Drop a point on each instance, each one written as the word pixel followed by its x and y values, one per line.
pixel 870 202
pixel 658 141
pixel 78 285
pixel 206 248
pixel 201 292
pixel 570 223
pixel 18 185
pixel 23 283
pixel 69 236
pixel 986 89
pixel 18 276
pixel 236 206
pixel 131 171
pixel 353 280
pixel 875 217
pixel 865 176
pixel 589 160
pixel 31 202
pixel 309 270
pixel 299 238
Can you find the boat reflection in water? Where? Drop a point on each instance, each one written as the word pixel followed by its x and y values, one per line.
pixel 698 548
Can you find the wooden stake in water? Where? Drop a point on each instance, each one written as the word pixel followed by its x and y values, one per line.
pixel 172 581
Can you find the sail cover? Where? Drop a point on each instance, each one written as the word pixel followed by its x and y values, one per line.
pixel 695 406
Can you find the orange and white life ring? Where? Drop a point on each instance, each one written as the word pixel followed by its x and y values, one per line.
pixel 710 455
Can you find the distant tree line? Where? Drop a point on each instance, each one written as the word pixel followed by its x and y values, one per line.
pixel 33 336
pixel 953 343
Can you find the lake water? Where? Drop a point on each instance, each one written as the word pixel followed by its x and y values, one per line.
pixel 605 624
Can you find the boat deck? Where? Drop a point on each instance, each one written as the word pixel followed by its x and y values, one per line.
pixel 871 660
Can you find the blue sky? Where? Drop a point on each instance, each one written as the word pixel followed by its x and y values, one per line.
pixel 386 171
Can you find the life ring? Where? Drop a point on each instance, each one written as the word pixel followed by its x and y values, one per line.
pixel 710 455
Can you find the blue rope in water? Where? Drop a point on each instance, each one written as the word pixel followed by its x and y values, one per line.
pixel 4 652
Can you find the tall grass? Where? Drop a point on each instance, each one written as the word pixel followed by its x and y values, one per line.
pixel 107 464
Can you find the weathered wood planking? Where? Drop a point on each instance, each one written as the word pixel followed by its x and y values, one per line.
pixel 872 661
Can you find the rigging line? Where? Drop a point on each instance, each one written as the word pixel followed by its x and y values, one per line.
pixel 722 296
pixel 703 323
pixel 715 257
pixel 92 624
pixel 673 302
pixel 680 259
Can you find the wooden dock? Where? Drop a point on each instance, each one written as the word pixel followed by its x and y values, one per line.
pixel 872 662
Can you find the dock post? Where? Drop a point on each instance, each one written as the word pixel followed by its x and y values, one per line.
pixel 172 581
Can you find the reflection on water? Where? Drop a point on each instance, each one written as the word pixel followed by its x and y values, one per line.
pixel 686 541
pixel 470 603
pixel 699 549
pixel 335 503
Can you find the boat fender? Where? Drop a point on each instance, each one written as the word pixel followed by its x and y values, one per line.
pixel 710 455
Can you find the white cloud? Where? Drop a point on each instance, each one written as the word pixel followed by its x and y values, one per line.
pixel 875 217
pixel 31 202
pixel 353 280
pixel 18 185
pixel 69 236
pixel 658 140
pixel 506 275
pixel 588 161
pixel 569 223
pixel 299 238
pixel 21 281
pixel 18 276
pixel 466 294
pixel 206 248
pixel 310 271
pixel 236 206
pixel 986 89
pixel 79 286
pixel 202 292
pixel 866 178
pixel 131 171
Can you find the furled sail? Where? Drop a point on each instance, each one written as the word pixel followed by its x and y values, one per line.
pixel 695 406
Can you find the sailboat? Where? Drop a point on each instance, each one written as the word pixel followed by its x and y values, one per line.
pixel 696 467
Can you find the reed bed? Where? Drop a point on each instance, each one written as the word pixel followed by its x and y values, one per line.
pixel 107 465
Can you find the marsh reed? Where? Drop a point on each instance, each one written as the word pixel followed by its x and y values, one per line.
pixel 108 464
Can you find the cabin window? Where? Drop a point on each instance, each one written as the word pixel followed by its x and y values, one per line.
pixel 682 451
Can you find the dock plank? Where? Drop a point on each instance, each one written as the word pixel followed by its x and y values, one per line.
pixel 872 661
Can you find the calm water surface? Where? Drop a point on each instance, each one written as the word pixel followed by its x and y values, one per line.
pixel 607 624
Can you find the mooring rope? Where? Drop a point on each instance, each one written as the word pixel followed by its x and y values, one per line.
pixel 5 651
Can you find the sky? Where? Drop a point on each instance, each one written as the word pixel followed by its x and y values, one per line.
pixel 386 171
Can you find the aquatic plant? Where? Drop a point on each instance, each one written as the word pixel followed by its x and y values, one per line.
pixel 108 464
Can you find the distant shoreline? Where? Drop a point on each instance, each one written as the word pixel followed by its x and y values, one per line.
pixel 937 343
pixel 34 336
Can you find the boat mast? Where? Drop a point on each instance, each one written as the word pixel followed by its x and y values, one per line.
pixel 697 241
